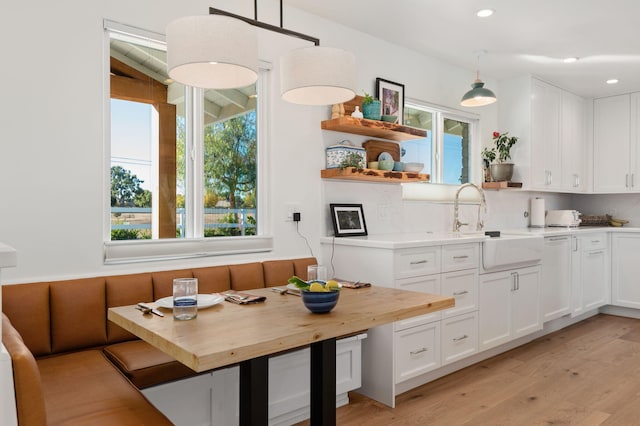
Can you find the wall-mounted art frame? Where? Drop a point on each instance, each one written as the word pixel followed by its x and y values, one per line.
pixel 391 96
pixel 348 220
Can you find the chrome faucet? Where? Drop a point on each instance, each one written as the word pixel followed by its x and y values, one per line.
pixel 483 203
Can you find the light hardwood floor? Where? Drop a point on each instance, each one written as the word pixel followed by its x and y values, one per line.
pixel 585 374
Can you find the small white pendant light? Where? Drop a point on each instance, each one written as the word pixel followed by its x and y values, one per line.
pixel 212 52
pixel 317 76
pixel 478 95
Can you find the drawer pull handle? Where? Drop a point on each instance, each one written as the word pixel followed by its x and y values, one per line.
pixel 419 351
pixel 457 339
pixel 460 293
pixel 461 257
pixel 595 241
pixel 593 253
pixel 558 238
pixel 418 262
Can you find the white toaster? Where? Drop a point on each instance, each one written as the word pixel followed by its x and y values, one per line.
pixel 563 218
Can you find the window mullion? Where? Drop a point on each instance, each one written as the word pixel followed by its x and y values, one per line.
pixel 194 163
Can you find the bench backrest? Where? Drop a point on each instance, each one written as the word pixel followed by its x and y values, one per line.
pixel 61 316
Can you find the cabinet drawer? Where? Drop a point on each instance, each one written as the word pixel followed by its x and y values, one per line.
pixel 427 284
pixel 463 285
pixel 415 262
pixel 417 351
pixel 460 256
pixel 459 337
pixel 593 241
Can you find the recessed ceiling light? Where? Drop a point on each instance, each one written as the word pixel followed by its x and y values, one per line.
pixel 483 13
pixel 612 81
pixel 570 60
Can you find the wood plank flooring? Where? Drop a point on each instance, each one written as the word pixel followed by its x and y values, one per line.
pixel 586 374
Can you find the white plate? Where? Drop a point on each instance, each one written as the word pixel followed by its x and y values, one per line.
pixel 204 301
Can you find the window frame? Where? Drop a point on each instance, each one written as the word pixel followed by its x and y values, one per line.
pixel 194 244
pixel 441 113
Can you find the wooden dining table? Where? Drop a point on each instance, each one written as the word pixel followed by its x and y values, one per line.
pixel 247 335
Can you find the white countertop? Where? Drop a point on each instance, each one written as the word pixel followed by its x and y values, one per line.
pixel 423 239
pixel 8 256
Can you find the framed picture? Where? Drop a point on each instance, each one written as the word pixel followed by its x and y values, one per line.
pixel 391 97
pixel 348 220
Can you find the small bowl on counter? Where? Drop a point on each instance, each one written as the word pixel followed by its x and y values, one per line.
pixel 320 302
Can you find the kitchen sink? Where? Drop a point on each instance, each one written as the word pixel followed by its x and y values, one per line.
pixel 510 251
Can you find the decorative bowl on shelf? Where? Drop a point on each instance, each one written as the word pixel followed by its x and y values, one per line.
pixel 386 164
pixel 389 118
pixel 320 302
pixel 413 167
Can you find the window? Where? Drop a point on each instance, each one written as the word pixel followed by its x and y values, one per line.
pixel 446 151
pixel 183 162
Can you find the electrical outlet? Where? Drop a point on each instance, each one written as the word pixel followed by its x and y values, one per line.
pixel 291 208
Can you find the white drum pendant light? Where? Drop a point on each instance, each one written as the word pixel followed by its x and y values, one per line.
pixel 318 76
pixel 212 52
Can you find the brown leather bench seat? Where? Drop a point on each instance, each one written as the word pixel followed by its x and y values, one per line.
pixel 90 369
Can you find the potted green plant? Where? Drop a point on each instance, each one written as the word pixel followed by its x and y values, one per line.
pixel 497 156
pixel 371 107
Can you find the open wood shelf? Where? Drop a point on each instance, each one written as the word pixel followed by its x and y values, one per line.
pixel 501 185
pixel 374 128
pixel 371 175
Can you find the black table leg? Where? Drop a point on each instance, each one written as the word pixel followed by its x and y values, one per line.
pixel 254 389
pixel 323 383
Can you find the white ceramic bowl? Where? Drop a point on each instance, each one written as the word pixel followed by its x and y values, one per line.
pixel 413 167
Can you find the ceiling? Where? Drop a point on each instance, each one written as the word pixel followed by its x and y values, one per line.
pixel 522 36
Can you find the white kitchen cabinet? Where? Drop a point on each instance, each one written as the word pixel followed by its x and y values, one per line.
pixel 591 285
pixel 459 337
pixel 400 356
pixel 463 286
pixel 546 113
pixel 556 277
pixel 509 306
pixel 417 351
pixel 616 140
pixel 550 122
pixel 573 142
pixel 625 270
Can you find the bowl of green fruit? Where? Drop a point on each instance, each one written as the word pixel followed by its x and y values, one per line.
pixel 318 296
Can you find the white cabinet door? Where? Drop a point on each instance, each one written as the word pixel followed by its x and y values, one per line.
pixel 417 351
pixel 546 111
pixel 526 315
pixel 459 337
pixel 495 309
pixel 594 279
pixel 426 284
pixel 556 277
pixel 612 144
pixel 573 142
pixel 463 286
pixel 625 272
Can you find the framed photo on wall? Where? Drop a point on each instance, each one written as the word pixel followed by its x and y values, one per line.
pixel 348 220
pixel 391 97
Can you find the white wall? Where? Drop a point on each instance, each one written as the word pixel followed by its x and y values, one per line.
pixel 51 155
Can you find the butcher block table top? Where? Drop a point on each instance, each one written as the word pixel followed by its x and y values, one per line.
pixel 226 333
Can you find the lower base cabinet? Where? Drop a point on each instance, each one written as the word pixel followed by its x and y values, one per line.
pixel 417 350
pixel 509 306
pixel 459 337
pixel 625 270
pixel 213 398
pixel 591 286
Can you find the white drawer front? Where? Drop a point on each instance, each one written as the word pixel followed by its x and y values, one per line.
pixel 427 284
pixel 460 256
pixel 463 285
pixel 594 241
pixel 415 262
pixel 459 337
pixel 417 351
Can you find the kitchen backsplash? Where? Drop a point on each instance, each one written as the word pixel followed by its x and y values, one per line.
pixel 386 212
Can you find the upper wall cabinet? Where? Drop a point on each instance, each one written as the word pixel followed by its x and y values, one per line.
pixel 550 123
pixel 615 137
